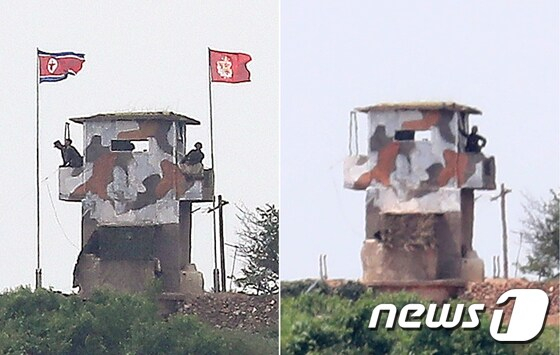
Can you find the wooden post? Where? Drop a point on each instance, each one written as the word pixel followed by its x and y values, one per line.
pixel 216 272
pixel 216 275
pixel 222 243
pixel 496 266
pixel 518 254
pixel 502 197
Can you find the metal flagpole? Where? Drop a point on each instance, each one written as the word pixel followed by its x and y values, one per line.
pixel 216 271
pixel 38 272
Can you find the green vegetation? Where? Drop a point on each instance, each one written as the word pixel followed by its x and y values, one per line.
pixel 541 229
pixel 259 250
pixel 47 322
pixel 327 321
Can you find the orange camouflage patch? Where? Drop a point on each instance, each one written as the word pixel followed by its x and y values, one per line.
pixel 383 169
pixel 455 165
pixel 101 177
pixel 147 129
pixel 429 119
pixel 172 177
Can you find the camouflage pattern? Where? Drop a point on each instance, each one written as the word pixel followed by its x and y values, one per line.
pixel 408 176
pixel 136 204
pixel 419 192
pixel 133 188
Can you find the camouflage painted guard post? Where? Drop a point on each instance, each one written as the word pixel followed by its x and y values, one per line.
pixel 419 181
pixel 136 202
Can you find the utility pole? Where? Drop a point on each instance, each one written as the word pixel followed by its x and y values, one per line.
pixel 216 271
pixel 221 204
pixel 502 197
pixel 220 274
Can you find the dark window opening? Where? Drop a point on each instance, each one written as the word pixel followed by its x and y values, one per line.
pixel 404 135
pixel 409 135
pixel 135 146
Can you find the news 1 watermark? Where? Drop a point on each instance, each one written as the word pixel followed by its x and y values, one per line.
pixel 528 316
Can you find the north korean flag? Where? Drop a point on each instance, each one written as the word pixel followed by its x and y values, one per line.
pixel 57 66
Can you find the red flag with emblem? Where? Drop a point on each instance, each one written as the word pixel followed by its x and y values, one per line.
pixel 226 67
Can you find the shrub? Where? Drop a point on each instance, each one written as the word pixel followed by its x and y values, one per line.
pixel 332 324
pixel 300 287
pixel 351 290
pixel 46 322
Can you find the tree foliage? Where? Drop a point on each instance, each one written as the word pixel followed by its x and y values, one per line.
pixel 47 322
pixel 259 250
pixel 541 231
pixel 319 323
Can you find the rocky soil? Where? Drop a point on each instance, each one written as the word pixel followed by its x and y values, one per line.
pixel 255 314
pixel 488 292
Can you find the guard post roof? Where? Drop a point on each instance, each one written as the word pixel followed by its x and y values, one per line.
pixel 137 116
pixel 421 106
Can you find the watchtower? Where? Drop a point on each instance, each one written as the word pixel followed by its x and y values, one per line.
pixel 136 202
pixel 419 183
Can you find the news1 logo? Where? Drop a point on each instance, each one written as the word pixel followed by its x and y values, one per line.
pixel 525 324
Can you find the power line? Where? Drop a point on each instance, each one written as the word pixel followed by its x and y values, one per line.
pixel 56 217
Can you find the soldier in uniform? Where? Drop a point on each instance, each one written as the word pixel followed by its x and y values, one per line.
pixel 192 162
pixel 70 155
pixel 473 140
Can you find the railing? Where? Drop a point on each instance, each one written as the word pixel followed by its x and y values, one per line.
pixel 200 187
pixel 69 179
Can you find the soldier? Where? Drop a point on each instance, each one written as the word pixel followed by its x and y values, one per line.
pixel 70 155
pixel 192 162
pixel 60 147
pixel 73 158
pixel 473 138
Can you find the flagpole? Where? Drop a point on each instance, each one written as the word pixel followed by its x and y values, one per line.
pixel 215 274
pixel 38 272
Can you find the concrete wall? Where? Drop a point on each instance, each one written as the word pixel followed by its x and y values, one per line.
pixel 135 253
pixel 123 275
pixel 412 246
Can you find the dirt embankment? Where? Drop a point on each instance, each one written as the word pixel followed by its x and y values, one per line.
pixel 488 292
pixel 255 314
